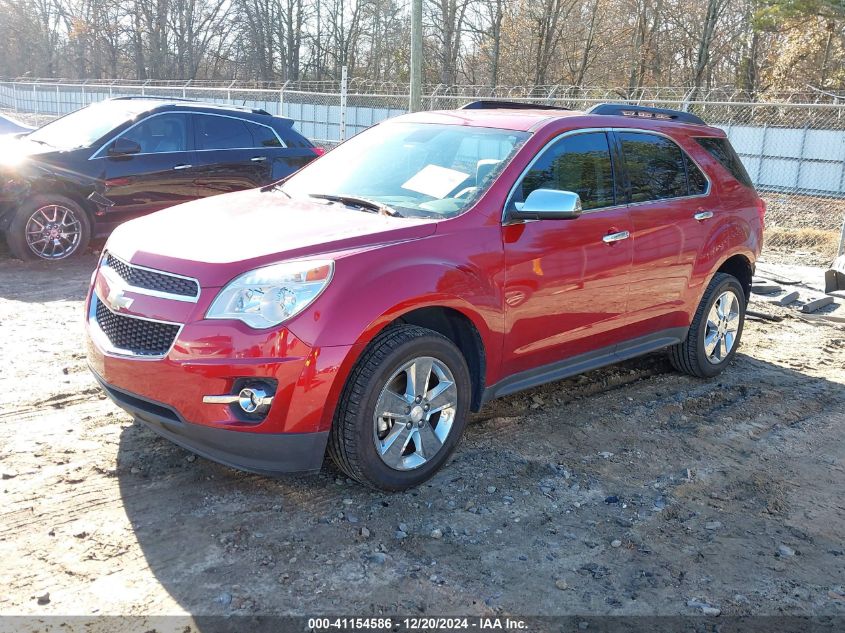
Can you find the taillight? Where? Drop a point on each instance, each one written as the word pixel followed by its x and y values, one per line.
pixel 319 151
pixel 761 209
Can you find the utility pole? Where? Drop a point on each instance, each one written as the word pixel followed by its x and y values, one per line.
pixel 344 88
pixel 415 101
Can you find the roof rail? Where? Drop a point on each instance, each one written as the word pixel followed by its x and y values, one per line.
pixel 199 103
pixel 492 104
pixel 645 112
pixel 147 98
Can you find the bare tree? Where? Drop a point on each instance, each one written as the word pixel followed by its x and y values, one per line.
pixel 705 42
pixel 485 26
pixel 448 24
pixel 629 44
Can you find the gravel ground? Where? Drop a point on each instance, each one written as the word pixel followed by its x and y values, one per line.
pixel 629 490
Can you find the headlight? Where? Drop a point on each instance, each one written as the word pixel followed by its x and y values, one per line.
pixel 266 297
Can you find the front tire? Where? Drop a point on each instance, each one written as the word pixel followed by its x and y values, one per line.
pixel 715 331
pixel 403 410
pixel 48 227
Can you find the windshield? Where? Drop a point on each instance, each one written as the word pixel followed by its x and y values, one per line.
pixel 413 169
pixel 85 126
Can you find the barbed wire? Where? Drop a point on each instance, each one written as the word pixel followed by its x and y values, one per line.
pixel 551 92
pixel 791 142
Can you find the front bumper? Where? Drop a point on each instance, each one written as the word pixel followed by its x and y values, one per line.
pixel 209 358
pixel 156 356
pixel 262 453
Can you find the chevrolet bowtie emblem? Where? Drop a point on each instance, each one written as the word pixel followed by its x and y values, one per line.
pixel 117 300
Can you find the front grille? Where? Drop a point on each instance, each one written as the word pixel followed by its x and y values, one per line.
pixel 137 336
pixel 151 280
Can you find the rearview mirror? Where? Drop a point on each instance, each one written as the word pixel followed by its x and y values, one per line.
pixel 124 147
pixel 548 204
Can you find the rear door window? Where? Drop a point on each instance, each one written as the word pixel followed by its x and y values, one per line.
pixel 580 163
pixel 697 181
pixel 221 132
pixel 656 167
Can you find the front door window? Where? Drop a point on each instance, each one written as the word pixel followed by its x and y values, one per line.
pixel 160 133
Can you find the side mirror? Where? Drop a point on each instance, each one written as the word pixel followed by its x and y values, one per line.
pixel 548 204
pixel 124 147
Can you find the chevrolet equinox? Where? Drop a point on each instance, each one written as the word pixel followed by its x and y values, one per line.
pixel 365 305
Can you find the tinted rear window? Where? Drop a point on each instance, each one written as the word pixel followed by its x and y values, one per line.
pixel 222 132
pixel 217 132
pixel 292 138
pixel 263 136
pixel 722 151
pixel 655 165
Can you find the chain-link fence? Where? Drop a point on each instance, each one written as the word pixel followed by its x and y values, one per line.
pixel 792 144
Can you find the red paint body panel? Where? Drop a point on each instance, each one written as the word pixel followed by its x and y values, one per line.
pixel 566 290
pixel 536 292
pixel 209 357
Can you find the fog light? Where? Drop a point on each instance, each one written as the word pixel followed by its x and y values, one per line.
pixel 251 399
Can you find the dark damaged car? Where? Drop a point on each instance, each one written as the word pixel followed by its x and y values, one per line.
pixel 83 174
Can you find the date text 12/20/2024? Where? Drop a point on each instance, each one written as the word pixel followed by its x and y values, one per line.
pixel 416 624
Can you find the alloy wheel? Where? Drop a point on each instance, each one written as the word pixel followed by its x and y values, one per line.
pixel 414 413
pixel 53 232
pixel 721 328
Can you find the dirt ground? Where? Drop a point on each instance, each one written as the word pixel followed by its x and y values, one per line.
pixel 629 490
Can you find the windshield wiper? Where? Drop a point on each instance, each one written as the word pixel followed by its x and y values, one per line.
pixel 277 186
pixel 363 203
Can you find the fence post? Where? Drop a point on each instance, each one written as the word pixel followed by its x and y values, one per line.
pixel 15 96
pixel 800 157
pixel 35 101
pixel 343 88
pixel 762 154
pixel 841 249
pixel 282 98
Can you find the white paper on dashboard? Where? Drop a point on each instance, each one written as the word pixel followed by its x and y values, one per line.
pixel 435 181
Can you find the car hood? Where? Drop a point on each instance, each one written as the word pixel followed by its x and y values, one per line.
pixel 215 239
pixel 14 147
pixel 19 155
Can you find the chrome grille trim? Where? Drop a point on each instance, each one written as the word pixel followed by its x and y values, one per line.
pixel 142 280
pixel 104 343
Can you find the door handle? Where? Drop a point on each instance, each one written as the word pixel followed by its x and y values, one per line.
pixel 183 166
pixel 258 159
pixel 615 237
pixel 703 215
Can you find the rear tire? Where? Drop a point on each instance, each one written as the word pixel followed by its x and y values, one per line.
pixel 48 227
pixel 394 375
pixel 716 329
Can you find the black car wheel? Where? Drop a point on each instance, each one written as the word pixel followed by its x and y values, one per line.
pixel 403 410
pixel 50 228
pixel 716 329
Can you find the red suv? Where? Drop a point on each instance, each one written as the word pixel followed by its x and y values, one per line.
pixel 367 303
